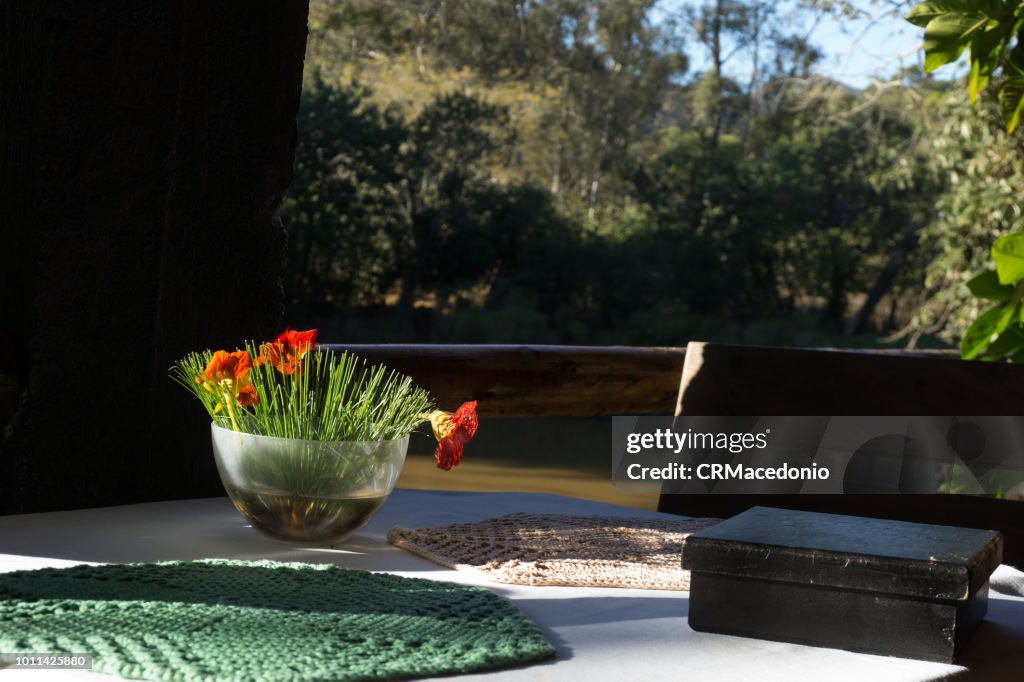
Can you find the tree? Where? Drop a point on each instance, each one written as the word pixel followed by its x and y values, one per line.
pixel 986 171
pixel 344 214
pixel 448 244
pixel 723 27
pixel 982 169
pixel 546 171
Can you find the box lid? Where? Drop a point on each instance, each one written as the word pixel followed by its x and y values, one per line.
pixel 847 552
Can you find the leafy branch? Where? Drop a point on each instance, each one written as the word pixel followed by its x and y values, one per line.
pixel 993 30
pixel 998 333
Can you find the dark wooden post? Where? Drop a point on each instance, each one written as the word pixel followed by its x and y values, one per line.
pixel 145 149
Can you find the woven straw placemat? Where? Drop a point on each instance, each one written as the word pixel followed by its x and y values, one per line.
pixel 238 620
pixel 556 549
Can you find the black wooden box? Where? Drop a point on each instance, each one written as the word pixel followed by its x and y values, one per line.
pixel 871 585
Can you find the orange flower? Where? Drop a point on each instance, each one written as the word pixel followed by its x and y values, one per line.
pixel 453 431
pixel 286 351
pixel 227 374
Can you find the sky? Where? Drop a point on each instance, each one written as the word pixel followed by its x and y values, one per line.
pixel 857 50
pixel 876 45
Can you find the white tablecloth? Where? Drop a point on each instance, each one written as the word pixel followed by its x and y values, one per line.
pixel 600 634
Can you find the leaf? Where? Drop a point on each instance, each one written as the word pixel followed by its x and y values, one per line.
pixel 986 53
pixel 977 80
pixel 1004 319
pixel 980 333
pixel 1008 253
pixel 1009 342
pixel 987 285
pixel 947 35
pixel 924 12
pixel 1011 96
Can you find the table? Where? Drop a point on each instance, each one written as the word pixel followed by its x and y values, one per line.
pixel 599 633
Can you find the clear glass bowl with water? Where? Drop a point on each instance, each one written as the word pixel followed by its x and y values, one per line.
pixel 306 492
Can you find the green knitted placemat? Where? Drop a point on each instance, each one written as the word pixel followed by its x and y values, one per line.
pixel 239 620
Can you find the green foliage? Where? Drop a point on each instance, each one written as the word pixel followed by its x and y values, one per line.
pixel 1008 254
pixel 582 78
pixel 550 172
pixel 998 334
pixel 801 214
pixel 345 225
pixel 335 397
pixel 987 285
pixel 993 30
pixel 982 168
pixel 382 199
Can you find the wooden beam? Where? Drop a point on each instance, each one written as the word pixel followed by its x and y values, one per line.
pixel 519 381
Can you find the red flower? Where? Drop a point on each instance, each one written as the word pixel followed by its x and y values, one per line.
pixel 227 374
pixel 453 431
pixel 286 351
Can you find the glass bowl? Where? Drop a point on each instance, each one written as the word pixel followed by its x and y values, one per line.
pixel 306 492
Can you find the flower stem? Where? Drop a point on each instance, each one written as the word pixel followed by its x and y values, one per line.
pixel 231 412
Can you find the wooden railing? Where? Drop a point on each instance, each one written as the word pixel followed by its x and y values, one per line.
pixel 558 381
pixel 520 381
